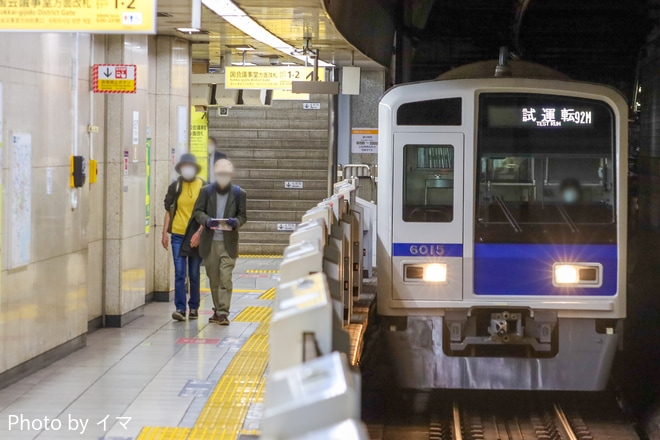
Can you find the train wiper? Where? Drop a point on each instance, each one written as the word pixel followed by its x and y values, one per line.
pixel 567 218
pixel 507 213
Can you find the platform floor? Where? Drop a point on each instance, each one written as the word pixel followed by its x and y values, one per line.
pixel 157 378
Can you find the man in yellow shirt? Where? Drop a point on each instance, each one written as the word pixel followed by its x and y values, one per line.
pixel 179 203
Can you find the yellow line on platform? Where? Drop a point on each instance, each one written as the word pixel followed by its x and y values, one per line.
pixel 269 294
pixel 261 271
pixel 260 256
pixel 241 385
pixel 237 290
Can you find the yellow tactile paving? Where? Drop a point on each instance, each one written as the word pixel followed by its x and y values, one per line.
pixel 261 271
pixel 254 314
pixel 268 294
pixel 150 433
pixel 241 385
pixel 260 256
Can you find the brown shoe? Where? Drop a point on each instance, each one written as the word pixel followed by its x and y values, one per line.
pixel 223 320
pixel 215 318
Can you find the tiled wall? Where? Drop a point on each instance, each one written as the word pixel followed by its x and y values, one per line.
pixel 95 259
pixel 45 303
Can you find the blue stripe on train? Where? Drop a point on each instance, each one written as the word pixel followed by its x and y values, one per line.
pixel 427 250
pixel 526 269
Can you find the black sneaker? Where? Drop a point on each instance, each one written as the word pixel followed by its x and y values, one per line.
pixel 179 315
pixel 193 314
pixel 223 320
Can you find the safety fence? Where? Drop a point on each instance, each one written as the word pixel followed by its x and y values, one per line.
pixel 313 390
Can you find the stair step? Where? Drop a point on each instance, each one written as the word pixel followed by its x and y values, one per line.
pixel 270 164
pixel 261 248
pixel 282 174
pixel 280 205
pixel 275 134
pixel 265 237
pixel 282 123
pixel 259 215
pixel 269 144
pixel 266 226
pixel 286 194
pixel 282 153
pixel 248 184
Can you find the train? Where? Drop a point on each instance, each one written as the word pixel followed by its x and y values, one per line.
pixel 501 237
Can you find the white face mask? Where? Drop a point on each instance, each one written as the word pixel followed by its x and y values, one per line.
pixel 188 172
pixel 223 180
pixel 211 147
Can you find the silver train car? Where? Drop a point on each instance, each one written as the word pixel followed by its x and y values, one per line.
pixel 502 207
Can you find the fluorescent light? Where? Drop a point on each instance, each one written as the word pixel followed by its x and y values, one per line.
pixel 241 64
pixel 239 19
pixel 190 30
pixel 288 63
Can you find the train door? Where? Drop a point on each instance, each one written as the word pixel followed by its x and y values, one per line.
pixel 427 217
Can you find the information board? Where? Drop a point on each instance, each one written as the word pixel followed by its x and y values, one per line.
pixel 364 140
pixel 93 16
pixel 199 139
pixel 268 77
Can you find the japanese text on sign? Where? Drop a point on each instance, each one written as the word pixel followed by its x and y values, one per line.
pixel 272 78
pixel 550 117
pixel 114 78
pixel 96 16
pixel 364 140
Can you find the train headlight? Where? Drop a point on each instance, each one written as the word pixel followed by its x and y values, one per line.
pixel 566 274
pixel 578 274
pixel 435 273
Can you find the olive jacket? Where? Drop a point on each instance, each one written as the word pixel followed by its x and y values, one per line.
pixel 206 207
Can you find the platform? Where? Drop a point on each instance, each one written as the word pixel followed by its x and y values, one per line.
pixel 175 380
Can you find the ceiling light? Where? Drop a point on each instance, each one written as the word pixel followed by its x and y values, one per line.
pixel 239 19
pixel 190 30
pixel 288 63
pixel 241 47
pixel 243 64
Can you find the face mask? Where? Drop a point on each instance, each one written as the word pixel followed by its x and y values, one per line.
pixel 570 195
pixel 188 172
pixel 211 147
pixel 223 180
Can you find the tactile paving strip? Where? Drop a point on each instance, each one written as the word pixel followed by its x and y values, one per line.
pixel 260 256
pixel 268 294
pixel 254 314
pixel 261 271
pixel 149 433
pixel 240 387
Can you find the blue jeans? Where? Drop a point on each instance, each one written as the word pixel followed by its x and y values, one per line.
pixel 185 267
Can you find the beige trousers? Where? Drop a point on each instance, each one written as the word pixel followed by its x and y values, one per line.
pixel 219 268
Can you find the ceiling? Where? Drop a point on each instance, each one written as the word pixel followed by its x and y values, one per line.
pixel 291 20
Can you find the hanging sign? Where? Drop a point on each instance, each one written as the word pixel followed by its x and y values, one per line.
pixel 93 16
pixel 268 77
pixel 114 78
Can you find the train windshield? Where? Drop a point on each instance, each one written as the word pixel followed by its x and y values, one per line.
pixel 546 170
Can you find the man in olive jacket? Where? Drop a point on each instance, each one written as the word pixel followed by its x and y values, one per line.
pixel 218 245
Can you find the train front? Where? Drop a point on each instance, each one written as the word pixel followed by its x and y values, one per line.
pixel 502 219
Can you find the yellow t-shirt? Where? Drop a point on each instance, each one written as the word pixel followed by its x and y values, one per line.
pixel 185 205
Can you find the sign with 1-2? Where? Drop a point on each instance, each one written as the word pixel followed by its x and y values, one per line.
pixel 114 78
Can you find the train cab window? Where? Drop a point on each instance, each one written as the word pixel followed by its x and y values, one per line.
pixel 431 112
pixel 428 190
pixel 546 170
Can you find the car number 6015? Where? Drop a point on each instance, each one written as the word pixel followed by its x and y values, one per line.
pixel 432 250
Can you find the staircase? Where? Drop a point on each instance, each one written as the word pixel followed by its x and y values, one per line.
pixel 268 147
